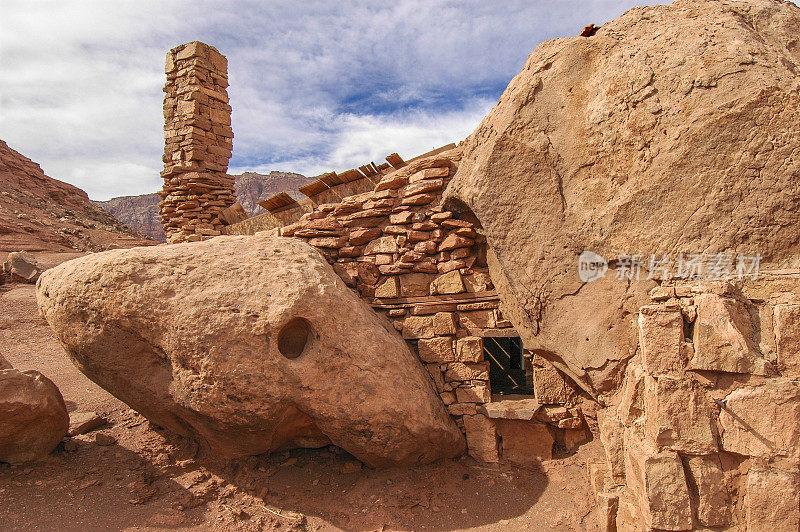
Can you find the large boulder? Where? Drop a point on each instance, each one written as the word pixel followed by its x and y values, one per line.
pixel 249 344
pixel 674 129
pixel 33 417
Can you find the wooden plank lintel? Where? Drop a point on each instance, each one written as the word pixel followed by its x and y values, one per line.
pixel 468 297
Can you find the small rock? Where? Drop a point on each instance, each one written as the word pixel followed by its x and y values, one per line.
pixel 22 266
pixel 71 445
pixel 84 422
pixel 350 467
pixel 104 440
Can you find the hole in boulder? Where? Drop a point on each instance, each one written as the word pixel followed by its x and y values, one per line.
pixel 293 337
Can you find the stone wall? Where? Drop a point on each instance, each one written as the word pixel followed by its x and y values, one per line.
pixel 705 431
pixel 424 267
pixel 198 143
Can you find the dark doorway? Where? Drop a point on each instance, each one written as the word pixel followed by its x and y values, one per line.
pixel 506 366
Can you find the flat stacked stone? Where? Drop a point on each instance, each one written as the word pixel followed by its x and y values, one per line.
pixel 397 241
pixel 198 143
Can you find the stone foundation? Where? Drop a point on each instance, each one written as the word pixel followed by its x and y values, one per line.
pixel 424 267
pixel 706 427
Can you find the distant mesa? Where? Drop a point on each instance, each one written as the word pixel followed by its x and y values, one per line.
pixel 141 212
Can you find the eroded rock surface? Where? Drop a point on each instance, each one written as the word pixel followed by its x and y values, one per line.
pixel 250 344
pixel 33 417
pixel 671 130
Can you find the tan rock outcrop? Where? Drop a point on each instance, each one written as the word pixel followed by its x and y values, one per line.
pixel 295 359
pixel 650 137
pixel 33 417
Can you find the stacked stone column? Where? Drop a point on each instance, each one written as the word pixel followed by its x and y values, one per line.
pixel 198 143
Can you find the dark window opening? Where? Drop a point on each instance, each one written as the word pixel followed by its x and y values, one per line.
pixel 506 366
pixel 688 329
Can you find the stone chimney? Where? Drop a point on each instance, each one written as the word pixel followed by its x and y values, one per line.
pixel 198 143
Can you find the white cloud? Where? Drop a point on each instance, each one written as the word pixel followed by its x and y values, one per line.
pixel 315 85
pixel 369 138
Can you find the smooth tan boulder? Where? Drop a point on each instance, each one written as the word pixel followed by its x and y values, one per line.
pixel 248 344
pixel 33 417
pixel 671 130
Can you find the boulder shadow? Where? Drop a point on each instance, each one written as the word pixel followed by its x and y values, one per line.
pixel 330 484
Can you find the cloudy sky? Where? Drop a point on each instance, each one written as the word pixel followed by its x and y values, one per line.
pixel 315 85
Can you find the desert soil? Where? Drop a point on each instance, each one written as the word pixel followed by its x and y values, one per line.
pixel 150 479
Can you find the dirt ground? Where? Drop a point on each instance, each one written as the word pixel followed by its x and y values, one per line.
pixel 150 479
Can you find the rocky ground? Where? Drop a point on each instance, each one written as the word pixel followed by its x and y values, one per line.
pixel 132 475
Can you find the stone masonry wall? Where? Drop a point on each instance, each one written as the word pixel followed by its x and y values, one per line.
pixel 198 143
pixel 705 431
pixel 424 267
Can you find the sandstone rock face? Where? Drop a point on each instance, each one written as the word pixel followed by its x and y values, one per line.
pixel 723 337
pixel 787 338
pixel 659 484
pixel 661 334
pixel 669 131
pixel 33 417
pixel 679 416
pixel 763 420
pixel 714 503
pixel 773 499
pixel 249 344
pixel 4 364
